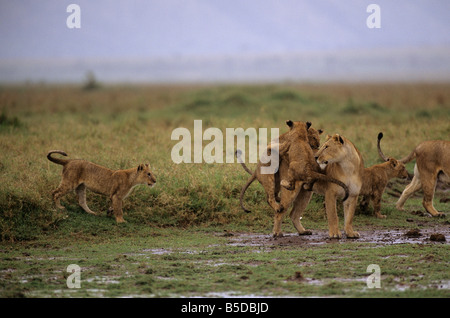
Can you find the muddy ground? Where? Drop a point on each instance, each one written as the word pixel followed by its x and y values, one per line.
pixel 432 234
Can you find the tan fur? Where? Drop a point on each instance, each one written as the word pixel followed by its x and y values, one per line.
pixel 302 165
pixel 271 182
pixel 375 180
pixel 342 161
pixel 117 184
pixel 299 197
pixel 432 163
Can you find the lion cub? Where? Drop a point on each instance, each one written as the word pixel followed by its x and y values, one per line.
pixel 271 182
pixel 302 164
pixel 80 174
pixel 375 180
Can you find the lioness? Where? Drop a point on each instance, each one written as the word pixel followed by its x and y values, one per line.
pixel 432 163
pixel 341 160
pixel 375 179
pixel 79 174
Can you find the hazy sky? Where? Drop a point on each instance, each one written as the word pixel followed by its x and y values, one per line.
pixel 160 28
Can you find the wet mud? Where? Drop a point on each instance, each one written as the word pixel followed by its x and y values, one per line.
pixel 439 234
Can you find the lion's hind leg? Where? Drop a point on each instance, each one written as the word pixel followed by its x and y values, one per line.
pixel 268 182
pixel 287 197
pixel 62 190
pixel 278 207
pixel 81 193
pixel 292 176
pixel 428 187
pixel 414 186
pixel 300 203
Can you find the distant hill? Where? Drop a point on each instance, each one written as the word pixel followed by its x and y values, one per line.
pixel 379 65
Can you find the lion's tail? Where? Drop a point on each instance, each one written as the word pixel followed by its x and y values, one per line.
pixel 409 157
pixel 241 199
pixel 322 177
pixel 57 160
pixel 238 154
pixel 380 152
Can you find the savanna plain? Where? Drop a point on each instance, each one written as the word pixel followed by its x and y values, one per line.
pixel 187 236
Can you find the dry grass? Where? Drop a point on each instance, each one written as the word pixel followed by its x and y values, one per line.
pixel 120 127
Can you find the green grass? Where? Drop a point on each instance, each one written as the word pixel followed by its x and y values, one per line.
pixel 194 205
pixel 136 260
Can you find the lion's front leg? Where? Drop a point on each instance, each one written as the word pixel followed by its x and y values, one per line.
pixel 117 208
pixel 349 212
pixel 332 217
pixel 376 199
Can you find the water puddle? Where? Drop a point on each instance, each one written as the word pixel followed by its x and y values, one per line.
pixel 320 237
pixel 157 251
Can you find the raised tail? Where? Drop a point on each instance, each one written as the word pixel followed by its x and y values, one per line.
pixel 57 160
pixel 241 199
pixel 380 153
pixel 408 158
pixel 238 154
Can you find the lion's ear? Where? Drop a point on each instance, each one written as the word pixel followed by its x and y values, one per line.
pixel 308 124
pixel 140 167
pixel 289 123
pixel 393 162
pixel 320 131
pixel 337 137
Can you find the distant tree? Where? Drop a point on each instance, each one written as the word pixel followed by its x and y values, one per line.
pixel 91 82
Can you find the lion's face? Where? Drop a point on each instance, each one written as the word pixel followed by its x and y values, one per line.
pixel 300 128
pixel 314 138
pixel 398 168
pixel 145 176
pixel 333 150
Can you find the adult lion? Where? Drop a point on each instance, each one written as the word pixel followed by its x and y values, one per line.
pixel 340 160
pixel 271 182
pixel 432 164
